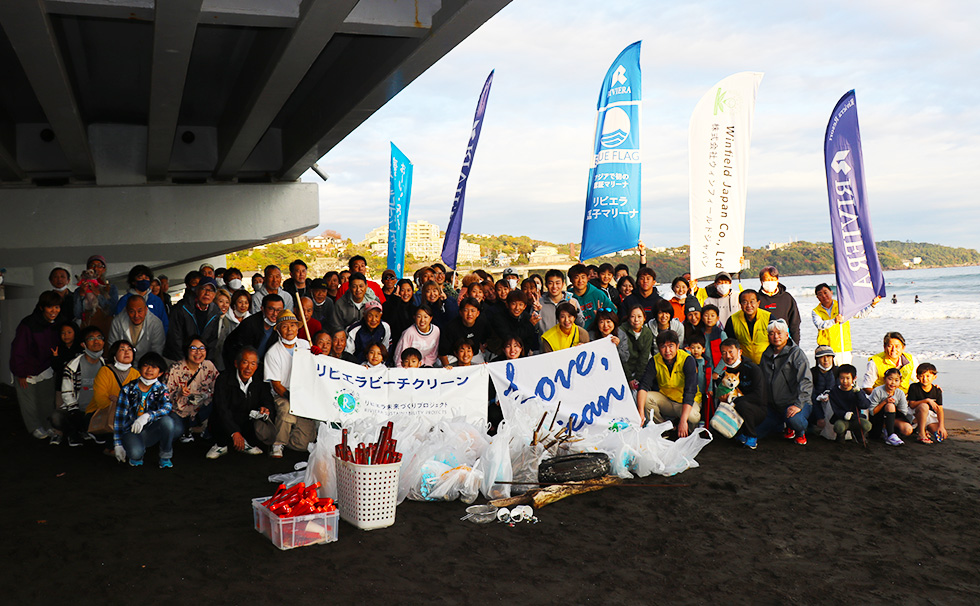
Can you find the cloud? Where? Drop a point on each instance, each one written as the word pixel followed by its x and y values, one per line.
pixel 905 61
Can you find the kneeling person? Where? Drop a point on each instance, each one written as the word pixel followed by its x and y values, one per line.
pixel 669 387
pixel 143 415
pixel 292 431
pixel 242 408
pixel 846 403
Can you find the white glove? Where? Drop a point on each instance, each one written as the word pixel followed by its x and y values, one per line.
pixel 256 415
pixel 847 416
pixel 823 397
pixel 140 422
pixel 120 453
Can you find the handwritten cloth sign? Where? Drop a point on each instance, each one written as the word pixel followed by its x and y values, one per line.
pixel 329 389
pixel 588 380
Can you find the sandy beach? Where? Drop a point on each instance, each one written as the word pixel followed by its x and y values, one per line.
pixel 784 524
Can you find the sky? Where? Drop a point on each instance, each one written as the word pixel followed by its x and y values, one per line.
pixel 914 67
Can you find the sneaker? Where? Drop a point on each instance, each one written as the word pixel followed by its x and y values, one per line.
pixel 894 440
pixel 187 437
pixel 94 438
pixel 789 434
pixel 74 441
pixel 276 451
pixel 801 439
pixel 166 464
pixel 217 451
pixel 752 443
pixel 56 439
pixel 252 450
pixel 741 438
pixel 133 463
pixel 40 434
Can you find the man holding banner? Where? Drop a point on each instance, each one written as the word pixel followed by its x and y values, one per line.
pixel 612 204
pixel 860 280
pixel 832 329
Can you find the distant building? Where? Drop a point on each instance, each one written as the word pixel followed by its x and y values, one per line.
pixel 323 242
pixel 777 245
pixel 423 240
pixel 916 260
pixel 544 255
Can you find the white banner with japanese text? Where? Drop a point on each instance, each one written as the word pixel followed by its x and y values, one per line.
pixel 588 381
pixel 329 389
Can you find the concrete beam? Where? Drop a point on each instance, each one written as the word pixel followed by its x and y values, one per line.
pixel 174 27
pixel 324 119
pixel 154 224
pixel 240 13
pixel 245 124
pixel 403 18
pixel 9 169
pixel 29 30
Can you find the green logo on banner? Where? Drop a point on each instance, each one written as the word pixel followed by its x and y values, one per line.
pixel 346 402
pixel 719 101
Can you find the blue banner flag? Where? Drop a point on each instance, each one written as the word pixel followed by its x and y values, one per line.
pixel 450 246
pixel 859 275
pixel 612 206
pixel 400 194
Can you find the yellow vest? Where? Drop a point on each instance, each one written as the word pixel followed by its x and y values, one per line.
pixel 832 336
pixel 907 369
pixel 559 340
pixel 701 295
pixel 752 344
pixel 672 383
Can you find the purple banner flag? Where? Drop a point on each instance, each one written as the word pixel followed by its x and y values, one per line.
pixel 450 246
pixel 859 275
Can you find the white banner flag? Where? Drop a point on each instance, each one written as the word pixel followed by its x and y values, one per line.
pixel 588 380
pixel 720 132
pixel 329 389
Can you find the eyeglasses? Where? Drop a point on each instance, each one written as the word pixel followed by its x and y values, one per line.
pixel 196 348
pixel 95 338
pixel 388 277
pixel 98 265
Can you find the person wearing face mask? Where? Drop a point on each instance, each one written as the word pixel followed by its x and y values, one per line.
pixel 233 279
pixel 143 416
pixel 774 298
pixel 139 279
pixel 31 354
pixel 59 279
pixel 291 431
pixel 70 418
pixel 824 377
pixel 753 404
pixel 117 372
pixel 721 294
pixel 511 277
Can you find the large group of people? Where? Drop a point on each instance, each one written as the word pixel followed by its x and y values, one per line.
pixel 142 369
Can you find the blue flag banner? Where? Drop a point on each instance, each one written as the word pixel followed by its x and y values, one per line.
pixel 612 205
pixel 450 246
pixel 400 194
pixel 859 275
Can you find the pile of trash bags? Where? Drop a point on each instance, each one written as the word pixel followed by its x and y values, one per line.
pixel 454 459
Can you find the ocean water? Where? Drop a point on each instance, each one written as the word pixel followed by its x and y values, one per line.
pixel 945 325
pixel 944 328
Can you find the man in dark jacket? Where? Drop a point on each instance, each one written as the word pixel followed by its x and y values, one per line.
pixel 469 324
pixel 514 323
pixel 243 409
pixel 645 295
pixel 780 304
pixel 752 404
pixel 787 374
pixel 257 330
pixel 198 317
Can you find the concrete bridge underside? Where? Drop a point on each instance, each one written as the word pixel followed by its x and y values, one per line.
pixel 165 131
